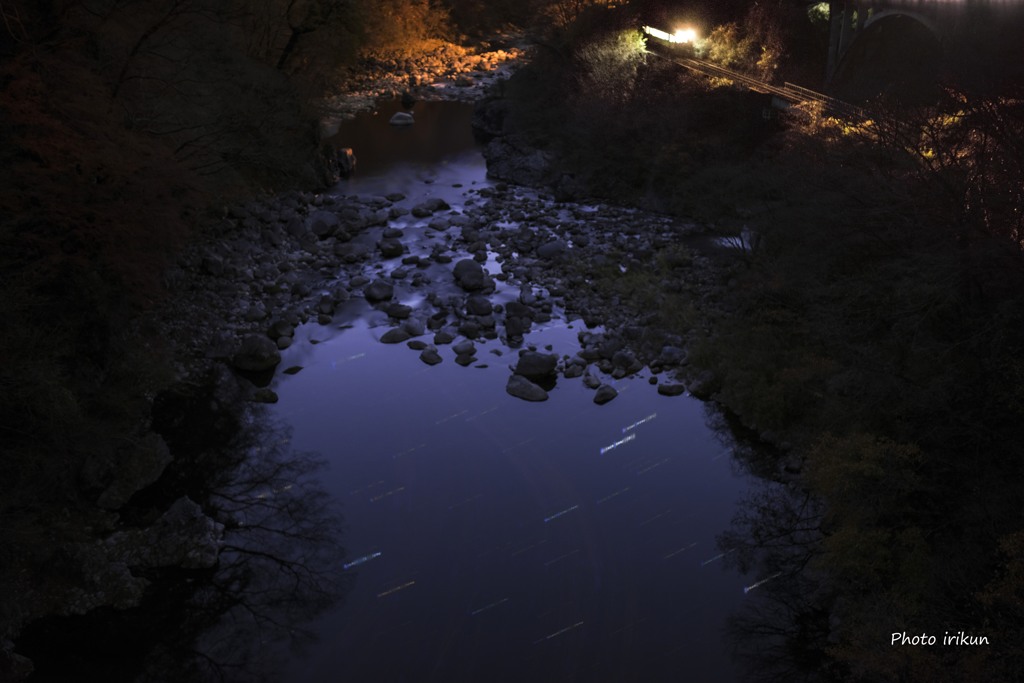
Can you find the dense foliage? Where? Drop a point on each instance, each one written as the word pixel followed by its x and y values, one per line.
pixel 872 331
pixel 123 126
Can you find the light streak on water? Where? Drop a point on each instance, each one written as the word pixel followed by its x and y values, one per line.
pixel 651 467
pixel 515 446
pixel 367 487
pixel 265 494
pixel 386 494
pixel 716 558
pixel 617 444
pixel 752 586
pixel 639 422
pixel 468 500
pixel 452 416
pixel 558 632
pixel 525 548
pixel 335 362
pixel 561 557
pixel 559 514
pixel 361 560
pixel 487 607
pixel 396 589
pixel 657 516
pixel 676 552
pixel 489 410
pixel 610 496
pixel 408 451
pixel 628 626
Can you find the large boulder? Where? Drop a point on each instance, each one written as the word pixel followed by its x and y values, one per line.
pixel 323 224
pixel 512 160
pixel 378 291
pixel 256 353
pixel 489 118
pixel 478 305
pixel 535 365
pixel 671 389
pixel 520 387
pixel 470 275
pixel 395 335
pixel 390 248
pixel 552 250
pixel 184 536
pixel 605 393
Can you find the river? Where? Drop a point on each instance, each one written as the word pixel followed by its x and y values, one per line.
pixel 492 538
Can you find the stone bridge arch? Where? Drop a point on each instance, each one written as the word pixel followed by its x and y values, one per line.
pixel 922 19
pixel 880 46
pixel 974 41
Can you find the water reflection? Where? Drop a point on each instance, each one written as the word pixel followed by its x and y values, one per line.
pixel 442 131
pixel 510 541
pixel 781 632
pixel 274 560
pixel 509 548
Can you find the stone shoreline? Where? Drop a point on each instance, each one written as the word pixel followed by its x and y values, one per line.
pixel 446 72
pixel 273 264
pixel 303 258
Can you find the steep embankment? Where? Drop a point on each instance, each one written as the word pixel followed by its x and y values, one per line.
pixel 869 326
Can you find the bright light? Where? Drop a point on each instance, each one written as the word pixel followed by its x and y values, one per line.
pixel 683 35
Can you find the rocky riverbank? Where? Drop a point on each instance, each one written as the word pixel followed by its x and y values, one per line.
pixel 440 71
pixel 506 260
pixel 435 276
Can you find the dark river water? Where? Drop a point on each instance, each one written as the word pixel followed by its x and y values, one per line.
pixel 494 539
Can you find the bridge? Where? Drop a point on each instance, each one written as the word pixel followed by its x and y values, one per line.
pixel 966 35
pixel 782 95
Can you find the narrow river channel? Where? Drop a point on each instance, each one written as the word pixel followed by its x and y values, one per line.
pixel 493 539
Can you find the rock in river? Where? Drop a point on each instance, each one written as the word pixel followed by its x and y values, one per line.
pixel 430 356
pixel 671 389
pixel 464 347
pixel 604 393
pixel 390 248
pixel 255 354
pixel 378 291
pixel 552 250
pixel 470 275
pixel 534 365
pixel 402 118
pixel 478 305
pixel 394 336
pixel 520 387
pixel 322 223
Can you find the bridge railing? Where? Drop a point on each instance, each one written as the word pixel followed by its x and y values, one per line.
pixel 831 104
pixel 787 91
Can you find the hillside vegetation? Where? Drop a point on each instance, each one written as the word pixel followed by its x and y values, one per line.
pixel 871 332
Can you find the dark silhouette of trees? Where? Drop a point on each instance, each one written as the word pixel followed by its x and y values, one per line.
pixel 278 561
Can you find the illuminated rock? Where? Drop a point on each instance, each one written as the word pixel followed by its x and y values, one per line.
pixel 402 118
